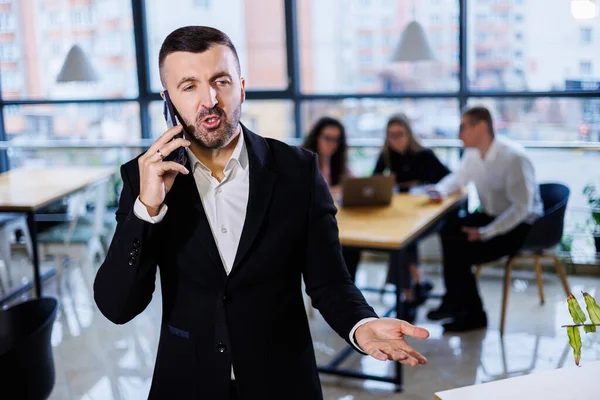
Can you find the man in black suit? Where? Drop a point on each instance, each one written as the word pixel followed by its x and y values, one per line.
pixel 252 218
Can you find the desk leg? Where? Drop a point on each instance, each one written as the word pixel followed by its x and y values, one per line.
pixel 36 261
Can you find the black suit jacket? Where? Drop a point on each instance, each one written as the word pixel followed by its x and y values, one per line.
pixel 254 317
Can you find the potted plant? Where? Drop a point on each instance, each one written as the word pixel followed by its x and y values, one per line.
pixel 579 319
pixel 593 198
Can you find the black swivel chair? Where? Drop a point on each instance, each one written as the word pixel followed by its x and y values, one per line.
pixel 26 362
pixel 545 234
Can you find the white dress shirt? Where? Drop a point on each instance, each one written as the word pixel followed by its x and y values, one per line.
pixel 225 206
pixel 505 182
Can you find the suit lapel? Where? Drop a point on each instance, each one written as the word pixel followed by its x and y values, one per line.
pixel 262 180
pixel 185 194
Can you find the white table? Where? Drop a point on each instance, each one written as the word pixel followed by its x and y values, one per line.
pixel 570 383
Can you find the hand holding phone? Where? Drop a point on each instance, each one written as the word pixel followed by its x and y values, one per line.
pixel 158 175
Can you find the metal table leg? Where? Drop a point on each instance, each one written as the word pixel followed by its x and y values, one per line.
pixel 36 261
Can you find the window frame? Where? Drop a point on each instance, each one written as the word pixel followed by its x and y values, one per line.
pixel 293 91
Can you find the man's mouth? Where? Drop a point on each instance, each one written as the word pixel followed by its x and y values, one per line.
pixel 211 122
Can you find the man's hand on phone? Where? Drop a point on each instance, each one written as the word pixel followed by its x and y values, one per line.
pixel 157 176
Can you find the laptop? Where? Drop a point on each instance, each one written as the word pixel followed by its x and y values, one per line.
pixel 363 192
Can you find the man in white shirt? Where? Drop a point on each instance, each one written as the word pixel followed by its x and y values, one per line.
pixel 510 202
pixel 233 230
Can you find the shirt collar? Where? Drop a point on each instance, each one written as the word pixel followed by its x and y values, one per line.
pixel 492 152
pixel 239 156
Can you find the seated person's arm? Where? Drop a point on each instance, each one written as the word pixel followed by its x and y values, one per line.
pixel 457 180
pixel 521 190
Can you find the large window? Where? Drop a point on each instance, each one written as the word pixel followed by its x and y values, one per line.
pixel 347 46
pixel 512 47
pixel 36 35
pixel 256 28
pixel 340 65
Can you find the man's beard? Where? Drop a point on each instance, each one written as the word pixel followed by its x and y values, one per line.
pixel 217 137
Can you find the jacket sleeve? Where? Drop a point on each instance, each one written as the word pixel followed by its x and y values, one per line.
pixel 326 276
pixel 125 281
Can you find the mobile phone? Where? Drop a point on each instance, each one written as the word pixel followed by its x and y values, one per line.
pixel 177 155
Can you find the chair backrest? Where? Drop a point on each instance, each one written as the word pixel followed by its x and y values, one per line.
pixel 26 362
pixel 547 231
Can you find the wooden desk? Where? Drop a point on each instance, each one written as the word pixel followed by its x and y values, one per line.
pixel 393 227
pixel 559 384
pixel 29 190
pixel 23 190
pixel 388 229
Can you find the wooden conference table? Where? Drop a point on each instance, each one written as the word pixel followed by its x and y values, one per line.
pixel 407 219
pixel 28 191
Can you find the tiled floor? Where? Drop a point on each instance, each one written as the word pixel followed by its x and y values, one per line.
pixel 96 360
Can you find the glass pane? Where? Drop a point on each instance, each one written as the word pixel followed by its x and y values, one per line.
pixel 367 119
pixel 512 48
pixel 268 118
pixel 545 119
pixel 257 31
pixel 347 46
pixel 42 125
pixel 36 35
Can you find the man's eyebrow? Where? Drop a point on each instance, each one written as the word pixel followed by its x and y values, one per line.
pixel 221 74
pixel 185 79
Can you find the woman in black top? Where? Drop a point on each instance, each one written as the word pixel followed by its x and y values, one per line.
pixel 327 138
pixel 413 165
pixel 403 156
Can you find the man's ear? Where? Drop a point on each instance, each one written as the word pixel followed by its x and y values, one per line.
pixel 162 94
pixel 243 89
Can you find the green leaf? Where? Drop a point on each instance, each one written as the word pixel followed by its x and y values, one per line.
pixel 589 328
pixel 592 308
pixel 575 342
pixel 576 311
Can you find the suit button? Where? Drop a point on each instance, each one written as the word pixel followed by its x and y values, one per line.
pixel 131 261
pixel 134 253
pixel 136 244
pixel 221 348
pixel 227 299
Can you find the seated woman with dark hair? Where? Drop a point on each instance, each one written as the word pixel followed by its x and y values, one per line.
pixel 413 165
pixel 327 138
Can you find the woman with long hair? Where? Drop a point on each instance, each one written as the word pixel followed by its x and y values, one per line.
pixel 403 156
pixel 327 138
pixel 413 165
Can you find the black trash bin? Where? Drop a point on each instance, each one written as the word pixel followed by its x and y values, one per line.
pixel 26 362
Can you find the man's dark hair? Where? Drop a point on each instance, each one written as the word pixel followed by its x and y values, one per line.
pixel 194 39
pixel 480 113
